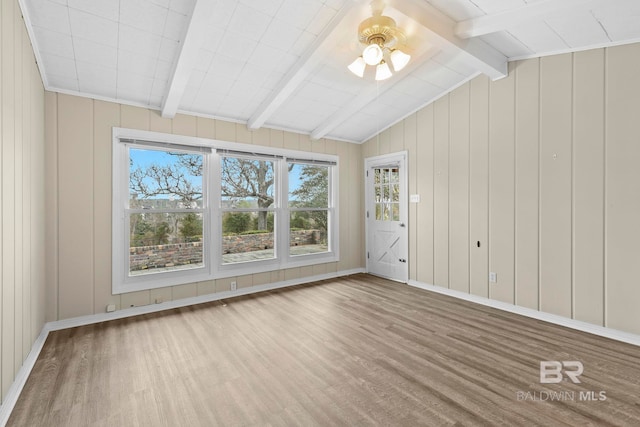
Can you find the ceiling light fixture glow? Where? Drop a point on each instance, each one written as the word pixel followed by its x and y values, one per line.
pixel 357 67
pixel 382 71
pixel 381 38
pixel 372 54
pixel 399 59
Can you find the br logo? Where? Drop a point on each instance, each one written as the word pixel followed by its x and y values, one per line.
pixel 552 371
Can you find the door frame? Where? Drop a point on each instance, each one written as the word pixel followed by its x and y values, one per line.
pixel 401 159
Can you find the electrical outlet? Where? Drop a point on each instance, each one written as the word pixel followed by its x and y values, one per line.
pixel 234 285
pixel 111 308
pixel 493 277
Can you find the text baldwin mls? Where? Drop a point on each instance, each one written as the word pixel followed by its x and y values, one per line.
pixel 561 396
pixel 554 372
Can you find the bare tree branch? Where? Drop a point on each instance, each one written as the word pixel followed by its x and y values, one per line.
pixel 170 179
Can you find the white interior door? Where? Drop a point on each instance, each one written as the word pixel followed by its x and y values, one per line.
pixel 386 216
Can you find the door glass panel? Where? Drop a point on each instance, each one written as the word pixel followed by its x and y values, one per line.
pixel 386 188
pixel 395 208
pixel 394 175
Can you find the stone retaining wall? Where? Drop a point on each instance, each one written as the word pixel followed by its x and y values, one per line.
pixel 254 242
pixel 177 254
pixel 164 256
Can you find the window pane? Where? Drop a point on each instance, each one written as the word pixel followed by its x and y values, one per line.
pixel 395 212
pixel 247 183
pixel 164 242
pixel 164 180
pixel 308 186
pixel 308 232
pixel 394 175
pixel 247 236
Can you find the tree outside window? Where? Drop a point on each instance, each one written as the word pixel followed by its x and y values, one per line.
pixel 269 211
pixel 165 210
pixel 248 209
pixel 309 208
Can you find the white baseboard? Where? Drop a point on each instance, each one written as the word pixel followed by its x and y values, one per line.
pixel 21 377
pixel 602 331
pixel 23 374
pixel 167 305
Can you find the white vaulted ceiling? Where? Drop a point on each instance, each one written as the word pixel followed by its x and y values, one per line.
pixel 283 63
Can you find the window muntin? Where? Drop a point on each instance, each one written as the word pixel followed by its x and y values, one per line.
pixel 309 197
pixel 164 211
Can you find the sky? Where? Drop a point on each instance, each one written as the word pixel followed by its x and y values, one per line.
pixel 146 157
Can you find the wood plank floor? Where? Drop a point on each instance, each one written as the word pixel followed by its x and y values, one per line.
pixel 354 351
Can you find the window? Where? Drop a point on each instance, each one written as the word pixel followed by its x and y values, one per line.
pixel 386 185
pixel 160 214
pixel 165 210
pixel 309 210
pixel 248 209
pixel 190 209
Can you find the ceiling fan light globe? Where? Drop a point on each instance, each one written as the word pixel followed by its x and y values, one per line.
pixel 382 71
pixel 399 59
pixel 372 54
pixel 357 67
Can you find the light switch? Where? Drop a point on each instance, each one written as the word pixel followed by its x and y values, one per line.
pixel 414 198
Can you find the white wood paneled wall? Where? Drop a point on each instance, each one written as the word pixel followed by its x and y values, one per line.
pixel 542 168
pixel 22 224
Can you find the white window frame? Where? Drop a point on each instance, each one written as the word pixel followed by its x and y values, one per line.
pixel 212 215
pixel 256 265
pixel 121 280
pixel 295 260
